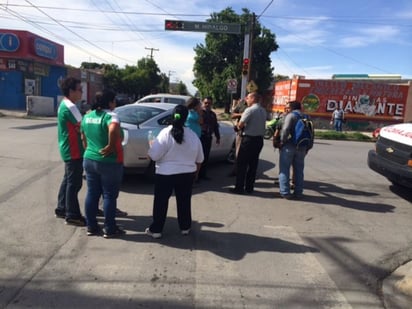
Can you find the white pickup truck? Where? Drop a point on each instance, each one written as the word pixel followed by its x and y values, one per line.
pixel 392 156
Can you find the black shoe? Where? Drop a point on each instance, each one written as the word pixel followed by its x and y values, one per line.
pixel 205 177
pixel 249 191
pixel 100 213
pixel 287 196
pixel 59 214
pixel 298 196
pixel 236 191
pixel 232 174
pixel 94 231
pixel 117 232
pixel 120 213
pixel 76 222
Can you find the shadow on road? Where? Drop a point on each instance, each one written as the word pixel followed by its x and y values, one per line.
pixel 330 194
pixel 206 236
pixel 219 181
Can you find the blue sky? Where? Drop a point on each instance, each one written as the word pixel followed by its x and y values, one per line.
pixel 316 38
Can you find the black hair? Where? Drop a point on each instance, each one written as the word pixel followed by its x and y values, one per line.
pixel 192 103
pixel 69 83
pixel 103 98
pixel 179 117
pixel 294 105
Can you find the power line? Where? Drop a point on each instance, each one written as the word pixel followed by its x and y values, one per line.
pixel 114 12
pixel 17 15
pixel 270 3
pixel 335 52
pixel 76 34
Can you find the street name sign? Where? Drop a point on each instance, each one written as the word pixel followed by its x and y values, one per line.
pixel 196 26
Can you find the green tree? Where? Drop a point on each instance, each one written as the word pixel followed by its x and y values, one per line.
pixel 112 77
pixel 221 57
pixel 136 81
pixel 91 65
pixel 182 89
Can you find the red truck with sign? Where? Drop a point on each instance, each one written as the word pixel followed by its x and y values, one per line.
pixel 371 101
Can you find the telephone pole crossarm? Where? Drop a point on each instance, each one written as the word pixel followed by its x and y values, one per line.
pixel 151 51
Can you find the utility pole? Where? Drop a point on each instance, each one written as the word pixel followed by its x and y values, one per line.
pixel 247 53
pixel 170 73
pixel 251 30
pixel 151 51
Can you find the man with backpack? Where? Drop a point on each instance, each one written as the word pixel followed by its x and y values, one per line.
pixel 296 138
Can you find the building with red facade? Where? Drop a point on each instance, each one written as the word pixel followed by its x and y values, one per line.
pixel 31 65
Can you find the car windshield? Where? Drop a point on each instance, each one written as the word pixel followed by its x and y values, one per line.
pixel 137 114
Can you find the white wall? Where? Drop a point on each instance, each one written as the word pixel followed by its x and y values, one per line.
pixel 40 106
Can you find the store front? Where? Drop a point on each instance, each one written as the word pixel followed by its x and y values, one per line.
pixel 29 66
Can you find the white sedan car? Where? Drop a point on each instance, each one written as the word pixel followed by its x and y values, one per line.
pixel 140 120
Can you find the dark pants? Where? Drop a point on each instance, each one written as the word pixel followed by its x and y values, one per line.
pixel 163 189
pixel 206 141
pixel 247 162
pixel 67 200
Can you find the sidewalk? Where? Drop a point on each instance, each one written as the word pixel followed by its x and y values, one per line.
pixel 13 113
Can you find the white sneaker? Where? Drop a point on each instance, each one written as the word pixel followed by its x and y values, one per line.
pixel 185 232
pixel 153 235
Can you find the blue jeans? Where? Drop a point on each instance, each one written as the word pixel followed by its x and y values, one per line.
pixel 67 200
pixel 338 125
pixel 295 157
pixel 103 179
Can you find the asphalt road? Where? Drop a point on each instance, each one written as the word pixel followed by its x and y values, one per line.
pixel 328 251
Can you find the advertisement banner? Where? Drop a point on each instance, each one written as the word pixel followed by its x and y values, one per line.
pixel 363 100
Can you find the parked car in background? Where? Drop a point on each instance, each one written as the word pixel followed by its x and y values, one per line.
pixel 141 120
pixel 392 156
pixel 164 98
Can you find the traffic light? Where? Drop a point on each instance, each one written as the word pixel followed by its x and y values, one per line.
pixel 245 68
pixel 174 25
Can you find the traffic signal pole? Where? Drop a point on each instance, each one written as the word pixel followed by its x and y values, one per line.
pixel 245 56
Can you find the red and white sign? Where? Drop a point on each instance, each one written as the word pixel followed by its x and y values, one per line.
pixel 364 100
pixel 232 85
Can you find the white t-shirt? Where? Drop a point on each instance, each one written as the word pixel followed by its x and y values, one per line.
pixel 172 158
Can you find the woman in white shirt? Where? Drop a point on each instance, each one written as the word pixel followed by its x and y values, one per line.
pixel 178 154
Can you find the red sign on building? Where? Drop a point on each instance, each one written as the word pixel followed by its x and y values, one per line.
pixel 18 44
pixel 366 100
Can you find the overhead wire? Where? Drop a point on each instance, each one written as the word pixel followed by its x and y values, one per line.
pixel 21 17
pixel 76 34
pixel 264 10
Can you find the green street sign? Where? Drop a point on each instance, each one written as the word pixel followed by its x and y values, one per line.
pixel 196 26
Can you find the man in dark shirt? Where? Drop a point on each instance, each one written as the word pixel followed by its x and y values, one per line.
pixel 210 127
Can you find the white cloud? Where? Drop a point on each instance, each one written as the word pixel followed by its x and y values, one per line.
pixel 370 35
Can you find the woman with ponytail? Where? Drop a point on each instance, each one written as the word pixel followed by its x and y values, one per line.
pixel 178 154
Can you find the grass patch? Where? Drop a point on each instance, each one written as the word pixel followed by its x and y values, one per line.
pixel 350 136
